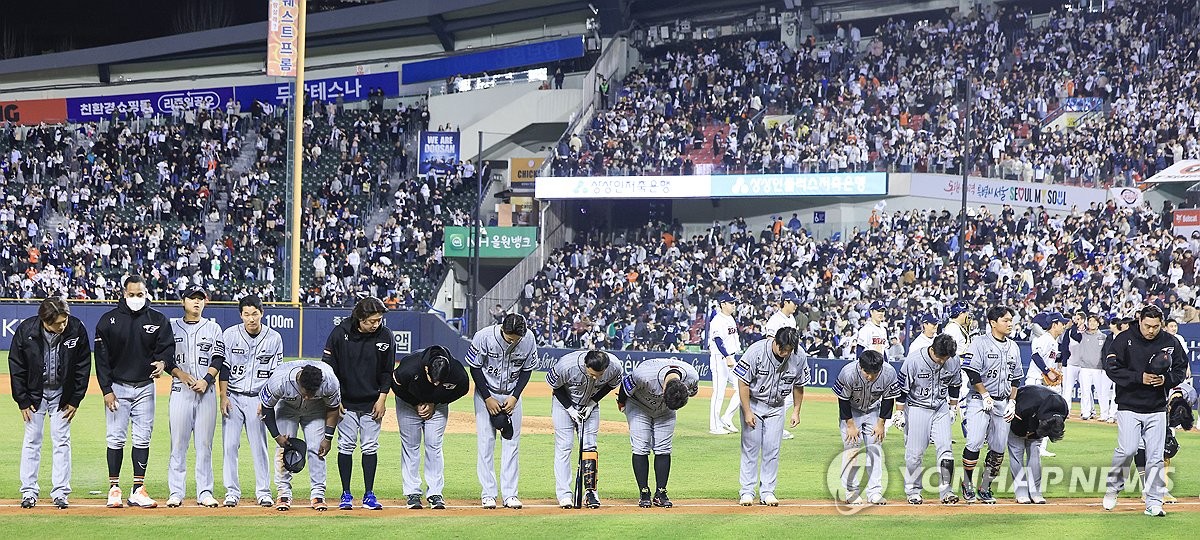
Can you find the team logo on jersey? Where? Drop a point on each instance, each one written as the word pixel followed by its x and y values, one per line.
pixel 449 386
pixel 993 356
pixel 264 359
pixel 924 375
pixel 383 346
pixel 112 320
pixel 178 339
pixel 263 373
pixel 238 351
pixel 150 328
pixel 205 347
pixel 70 343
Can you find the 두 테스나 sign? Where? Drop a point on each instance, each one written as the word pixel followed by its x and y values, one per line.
pixel 496 242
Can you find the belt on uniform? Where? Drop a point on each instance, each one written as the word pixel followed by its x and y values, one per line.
pixel 240 393
pixel 994 398
pixel 135 384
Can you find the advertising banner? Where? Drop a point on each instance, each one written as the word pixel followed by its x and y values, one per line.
pixel 91 109
pixel 1127 196
pixel 1186 221
pixel 522 171
pixel 1187 170
pixel 996 191
pixel 33 111
pixel 799 185
pixel 282 38
pixel 349 88
pixel 497 242
pixel 437 151
pixel 711 186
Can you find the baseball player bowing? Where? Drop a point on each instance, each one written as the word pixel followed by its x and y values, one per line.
pixel 992 365
pixel 649 397
pixel 302 396
pixel 199 355
pixel 929 386
pixel 132 348
pixel 866 392
pixel 771 369
pixel 1040 415
pixel 1045 357
pixel 1144 363
pixel 501 357
pixel 359 350
pixel 252 352
pixel 579 381
pixel 425 383
pixel 48 364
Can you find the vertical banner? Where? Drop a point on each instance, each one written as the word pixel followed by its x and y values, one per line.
pixel 523 171
pixel 281 38
pixel 438 151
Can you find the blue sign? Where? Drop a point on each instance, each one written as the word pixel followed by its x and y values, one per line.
pixel 89 109
pixel 437 151
pixel 493 60
pixel 799 185
pixel 349 88
pixel 819 216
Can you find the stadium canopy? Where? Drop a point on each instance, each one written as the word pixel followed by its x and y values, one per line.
pixel 1187 170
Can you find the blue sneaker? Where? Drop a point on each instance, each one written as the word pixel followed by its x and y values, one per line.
pixel 347 501
pixel 370 503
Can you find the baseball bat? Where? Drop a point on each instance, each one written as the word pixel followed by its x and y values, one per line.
pixel 579 472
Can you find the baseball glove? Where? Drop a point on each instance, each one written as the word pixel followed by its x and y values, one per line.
pixel 1053 377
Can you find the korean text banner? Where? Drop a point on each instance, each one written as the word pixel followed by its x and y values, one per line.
pixel 349 88
pixel 706 186
pixel 282 32
pixel 437 151
pixel 89 109
pixel 497 243
pixel 995 191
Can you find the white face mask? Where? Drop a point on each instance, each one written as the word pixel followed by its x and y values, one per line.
pixel 136 303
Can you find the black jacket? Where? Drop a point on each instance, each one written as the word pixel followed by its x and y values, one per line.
pixel 1127 359
pixel 1034 404
pixel 411 385
pixel 26 362
pixel 363 363
pixel 127 342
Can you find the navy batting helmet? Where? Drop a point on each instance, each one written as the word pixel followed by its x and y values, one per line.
pixel 958 309
pixel 1171 447
pixel 295 452
pixel 1160 363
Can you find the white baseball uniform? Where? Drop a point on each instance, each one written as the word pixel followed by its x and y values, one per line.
pixel 198 346
pixel 724 327
pixel 249 362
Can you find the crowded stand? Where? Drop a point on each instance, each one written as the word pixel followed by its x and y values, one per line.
pixel 892 101
pixel 653 288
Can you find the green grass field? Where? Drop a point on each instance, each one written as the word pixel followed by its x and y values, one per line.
pixel 704 467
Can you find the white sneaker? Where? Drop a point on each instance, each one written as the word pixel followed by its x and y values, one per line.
pixel 746 500
pixel 718 431
pixel 768 499
pixel 854 498
pixel 1046 453
pixel 729 426
pixel 174 502
pixel 566 502
pixel 1156 511
pixel 488 502
pixel 141 499
pixel 231 501
pixel 114 497
pixel 1110 500
pixel 1037 499
pixel 513 502
pixel 877 499
pixel 209 502
pixel 788 435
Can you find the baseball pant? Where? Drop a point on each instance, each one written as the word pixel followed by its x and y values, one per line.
pixel 357 429
pixel 413 432
pixel 722 376
pixel 60 438
pixel 243 412
pixel 1150 430
pixel 510 466
pixel 135 405
pixel 984 426
pixel 761 442
pixel 566 431
pixel 1025 464
pixel 290 423
pixel 1094 387
pixel 193 418
pixel 649 434
pixel 921 427
pixel 874 455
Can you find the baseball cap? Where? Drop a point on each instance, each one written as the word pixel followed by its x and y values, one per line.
pixel 503 423
pixel 1053 317
pixel 928 318
pixel 294 454
pixel 878 305
pixel 958 309
pixel 1160 363
pixel 726 297
pixel 192 292
pixel 790 296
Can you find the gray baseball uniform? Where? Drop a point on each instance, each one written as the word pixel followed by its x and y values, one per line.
pixel 292 413
pixel 249 362
pixel 502 365
pixel 770 380
pixel 928 417
pixel 865 399
pixel 998 365
pixel 571 373
pixel 651 423
pixel 198 346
